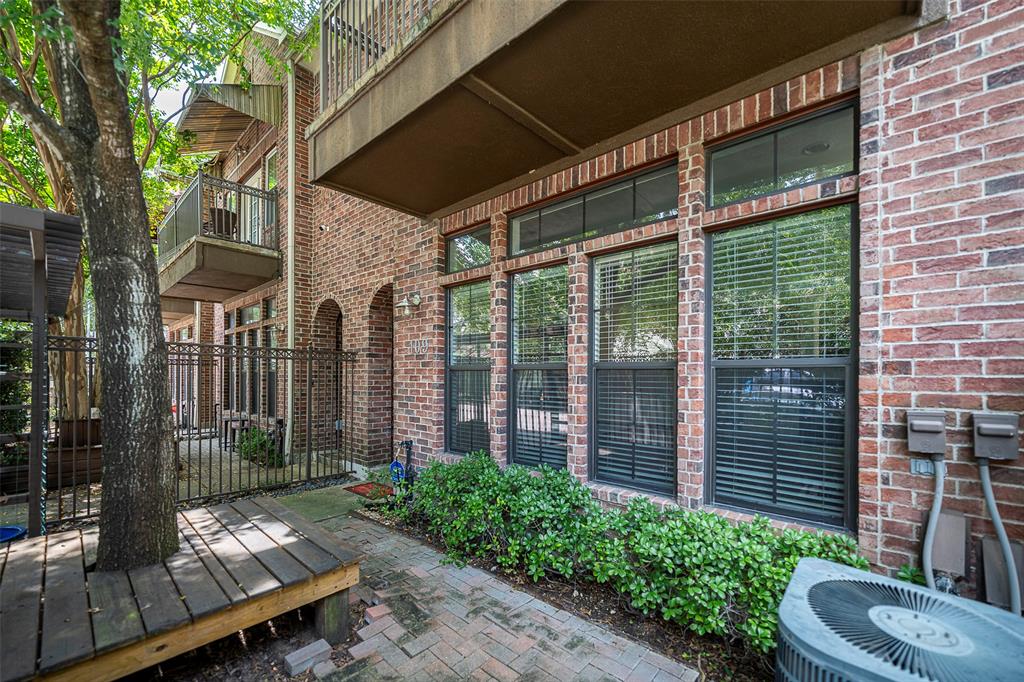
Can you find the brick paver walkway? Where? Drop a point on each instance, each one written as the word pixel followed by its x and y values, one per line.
pixel 440 622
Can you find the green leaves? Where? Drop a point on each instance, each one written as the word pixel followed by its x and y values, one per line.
pixel 694 568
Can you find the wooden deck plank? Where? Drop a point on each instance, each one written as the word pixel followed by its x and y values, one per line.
pixel 309 554
pixel 3 558
pixel 116 620
pixel 317 535
pixel 20 593
pixel 213 566
pixel 250 575
pixel 199 588
pixel 285 567
pixel 67 631
pixel 159 601
pixel 153 650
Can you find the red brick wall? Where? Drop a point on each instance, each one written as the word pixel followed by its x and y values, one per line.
pixel 942 263
pixel 941 203
pixel 941 196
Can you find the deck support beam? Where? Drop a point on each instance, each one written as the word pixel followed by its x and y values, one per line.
pixel 332 618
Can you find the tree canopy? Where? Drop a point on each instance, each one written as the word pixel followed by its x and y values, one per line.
pixel 161 46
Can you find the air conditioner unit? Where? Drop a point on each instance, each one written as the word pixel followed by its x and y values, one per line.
pixel 841 624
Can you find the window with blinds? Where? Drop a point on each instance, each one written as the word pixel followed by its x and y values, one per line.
pixel 540 314
pixel 468 368
pixel 635 327
pixel 781 367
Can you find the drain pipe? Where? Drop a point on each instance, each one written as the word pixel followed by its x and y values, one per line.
pixel 289 429
pixel 1004 542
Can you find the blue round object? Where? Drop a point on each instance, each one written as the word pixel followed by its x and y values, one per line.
pixel 8 533
pixel 397 471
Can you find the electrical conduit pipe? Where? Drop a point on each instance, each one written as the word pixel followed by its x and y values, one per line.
pixel 1004 542
pixel 933 519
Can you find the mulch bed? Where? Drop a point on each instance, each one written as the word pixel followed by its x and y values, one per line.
pixel 713 657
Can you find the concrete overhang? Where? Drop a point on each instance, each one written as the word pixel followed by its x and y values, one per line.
pixel 174 309
pixel 498 93
pixel 214 270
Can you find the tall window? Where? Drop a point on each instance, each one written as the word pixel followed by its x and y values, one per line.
pixel 469 367
pixel 540 378
pixel 635 327
pixel 270 170
pixel 781 365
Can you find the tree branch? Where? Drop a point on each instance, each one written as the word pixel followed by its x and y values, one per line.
pixel 55 135
pixel 25 187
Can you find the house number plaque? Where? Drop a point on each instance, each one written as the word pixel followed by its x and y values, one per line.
pixel 418 346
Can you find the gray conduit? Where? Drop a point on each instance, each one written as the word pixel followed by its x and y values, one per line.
pixel 1004 542
pixel 933 520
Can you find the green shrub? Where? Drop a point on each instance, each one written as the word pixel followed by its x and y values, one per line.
pixel 258 446
pixel 694 568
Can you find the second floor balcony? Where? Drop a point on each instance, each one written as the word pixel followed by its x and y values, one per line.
pixel 219 239
pixel 432 105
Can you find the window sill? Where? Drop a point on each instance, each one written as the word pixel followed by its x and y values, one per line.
pixel 779 522
pixel 619 496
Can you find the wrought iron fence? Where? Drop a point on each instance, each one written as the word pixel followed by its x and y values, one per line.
pixel 354 34
pixel 15 421
pixel 214 207
pixel 246 418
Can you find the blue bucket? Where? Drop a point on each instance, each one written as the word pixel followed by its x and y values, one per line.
pixel 8 533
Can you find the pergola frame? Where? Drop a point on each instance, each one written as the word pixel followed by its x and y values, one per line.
pixel 39 254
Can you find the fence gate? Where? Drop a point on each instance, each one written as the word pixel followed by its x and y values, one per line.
pixel 246 417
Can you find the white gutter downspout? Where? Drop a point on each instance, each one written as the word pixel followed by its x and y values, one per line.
pixel 289 430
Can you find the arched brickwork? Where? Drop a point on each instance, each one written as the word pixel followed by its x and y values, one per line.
pixel 380 368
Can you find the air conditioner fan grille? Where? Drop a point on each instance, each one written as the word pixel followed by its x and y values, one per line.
pixel 909 629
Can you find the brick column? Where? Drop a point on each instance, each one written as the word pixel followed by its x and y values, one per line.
pixel 690 347
pixel 499 367
pixel 577 354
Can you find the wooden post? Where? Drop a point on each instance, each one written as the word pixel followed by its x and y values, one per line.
pixel 332 618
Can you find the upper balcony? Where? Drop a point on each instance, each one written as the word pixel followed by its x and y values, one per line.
pixel 432 105
pixel 218 240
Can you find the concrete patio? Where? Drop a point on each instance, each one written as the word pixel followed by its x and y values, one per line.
pixel 441 622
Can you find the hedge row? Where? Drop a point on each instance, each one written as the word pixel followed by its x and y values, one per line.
pixel 694 568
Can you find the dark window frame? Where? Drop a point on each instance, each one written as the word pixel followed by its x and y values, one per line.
pixel 799 118
pixel 582 194
pixel 449 239
pixel 513 366
pixel 850 363
pixel 448 368
pixel 594 366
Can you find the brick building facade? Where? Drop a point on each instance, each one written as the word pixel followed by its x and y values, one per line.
pixel 935 201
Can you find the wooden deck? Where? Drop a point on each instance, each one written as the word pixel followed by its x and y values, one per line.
pixel 239 564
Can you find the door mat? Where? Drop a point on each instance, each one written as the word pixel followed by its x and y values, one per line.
pixel 373 491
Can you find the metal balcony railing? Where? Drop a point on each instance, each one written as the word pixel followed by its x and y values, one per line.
pixel 354 34
pixel 213 207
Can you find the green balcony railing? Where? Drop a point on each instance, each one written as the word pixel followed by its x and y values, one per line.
pixel 213 207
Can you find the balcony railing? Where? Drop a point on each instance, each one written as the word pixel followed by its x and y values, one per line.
pixel 212 207
pixel 354 34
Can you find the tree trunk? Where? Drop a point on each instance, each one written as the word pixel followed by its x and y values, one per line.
pixel 137 513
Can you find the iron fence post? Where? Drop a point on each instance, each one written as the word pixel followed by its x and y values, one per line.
pixel 309 411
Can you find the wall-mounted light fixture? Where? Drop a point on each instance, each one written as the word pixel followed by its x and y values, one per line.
pixel 408 304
